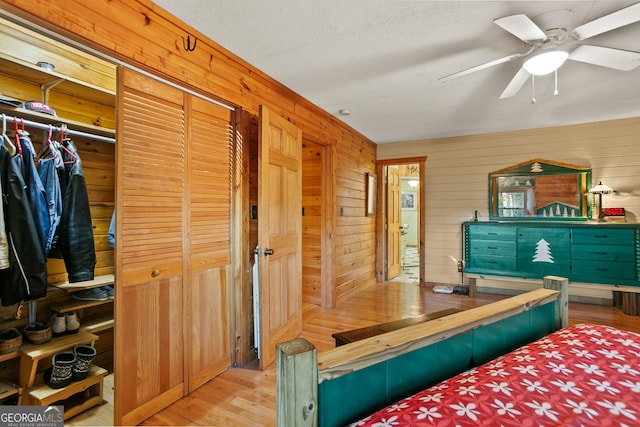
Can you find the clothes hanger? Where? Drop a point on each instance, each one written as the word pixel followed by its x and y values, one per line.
pixel 17 135
pixel 6 140
pixel 48 144
pixel 63 146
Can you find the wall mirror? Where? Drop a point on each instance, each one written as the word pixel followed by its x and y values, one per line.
pixel 540 190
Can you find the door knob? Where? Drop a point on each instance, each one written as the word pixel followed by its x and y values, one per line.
pixel 268 251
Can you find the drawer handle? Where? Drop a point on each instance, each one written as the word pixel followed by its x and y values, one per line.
pixel 602 253
pixel 155 273
pixel 492 234
pixel 492 262
pixel 492 247
pixel 601 236
pixel 602 269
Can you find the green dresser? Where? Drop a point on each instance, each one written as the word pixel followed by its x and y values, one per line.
pixel 582 252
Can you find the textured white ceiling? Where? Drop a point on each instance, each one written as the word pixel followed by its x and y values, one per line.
pixel 381 60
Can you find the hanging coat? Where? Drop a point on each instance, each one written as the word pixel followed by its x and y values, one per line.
pixel 26 278
pixel 35 190
pixel 51 183
pixel 74 242
pixel 4 244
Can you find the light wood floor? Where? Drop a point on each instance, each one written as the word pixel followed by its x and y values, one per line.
pixel 247 397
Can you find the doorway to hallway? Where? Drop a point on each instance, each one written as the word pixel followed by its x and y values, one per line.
pixel 400 229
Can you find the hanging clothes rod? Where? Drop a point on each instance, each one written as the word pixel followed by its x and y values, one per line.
pixel 67 131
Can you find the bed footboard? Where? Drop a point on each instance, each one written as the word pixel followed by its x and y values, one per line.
pixel 344 384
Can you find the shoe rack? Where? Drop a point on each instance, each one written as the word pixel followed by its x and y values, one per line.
pixel 77 396
pixel 95 317
pixel 96 325
pixel 35 358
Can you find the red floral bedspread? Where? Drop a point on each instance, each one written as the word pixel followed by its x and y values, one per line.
pixel 584 375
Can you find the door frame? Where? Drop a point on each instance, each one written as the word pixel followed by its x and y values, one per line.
pixel 381 211
pixel 328 174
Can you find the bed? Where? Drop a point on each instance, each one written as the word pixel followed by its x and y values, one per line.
pixel 583 375
pixel 367 382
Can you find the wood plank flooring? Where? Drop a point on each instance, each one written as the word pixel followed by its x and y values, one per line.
pixel 247 397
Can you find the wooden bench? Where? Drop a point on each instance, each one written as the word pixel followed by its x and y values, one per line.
pixel 346 337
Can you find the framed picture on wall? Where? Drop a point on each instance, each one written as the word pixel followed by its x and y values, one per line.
pixel 408 200
pixel 371 194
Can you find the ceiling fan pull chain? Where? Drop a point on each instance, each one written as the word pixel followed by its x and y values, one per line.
pixel 555 91
pixel 533 89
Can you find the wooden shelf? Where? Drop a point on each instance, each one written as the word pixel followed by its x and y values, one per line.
pixel 7 389
pixel 91 388
pixel 77 396
pixel 31 73
pixel 74 305
pixel 98 281
pixel 9 356
pixel 98 325
pixel 31 354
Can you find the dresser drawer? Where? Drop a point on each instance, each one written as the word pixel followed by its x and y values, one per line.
pixel 602 272
pixel 493 264
pixel 617 253
pixel 488 232
pixel 493 247
pixel 603 236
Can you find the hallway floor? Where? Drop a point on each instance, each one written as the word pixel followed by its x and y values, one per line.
pixel 410 272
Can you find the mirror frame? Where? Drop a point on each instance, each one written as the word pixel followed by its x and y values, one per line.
pixel 540 167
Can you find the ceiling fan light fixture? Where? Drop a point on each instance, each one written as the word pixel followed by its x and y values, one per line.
pixel 545 62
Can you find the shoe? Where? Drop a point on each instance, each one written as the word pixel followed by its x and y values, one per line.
pixel 72 322
pixel 109 291
pixel 37 333
pixel 60 373
pixel 58 325
pixel 10 340
pixel 84 357
pixel 93 294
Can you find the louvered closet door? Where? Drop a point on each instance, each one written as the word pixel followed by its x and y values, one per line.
pixel 149 248
pixel 209 211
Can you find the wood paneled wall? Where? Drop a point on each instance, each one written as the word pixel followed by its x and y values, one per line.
pixel 311 222
pixel 457 171
pixel 355 232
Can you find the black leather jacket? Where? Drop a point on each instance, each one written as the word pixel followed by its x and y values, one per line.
pixel 74 241
pixel 26 278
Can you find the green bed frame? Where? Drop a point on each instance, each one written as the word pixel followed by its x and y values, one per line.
pixel 347 383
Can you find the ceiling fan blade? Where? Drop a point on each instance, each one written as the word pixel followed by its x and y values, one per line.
pixel 619 59
pixel 522 27
pixel 480 67
pixel 609 22
pixel 516 83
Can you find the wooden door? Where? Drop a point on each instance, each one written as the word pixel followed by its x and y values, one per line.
pixel 279 232
pixel 208 207
pixel 150 147
pixel 394 218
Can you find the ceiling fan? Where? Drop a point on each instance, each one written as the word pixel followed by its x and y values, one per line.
pixel 551 42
